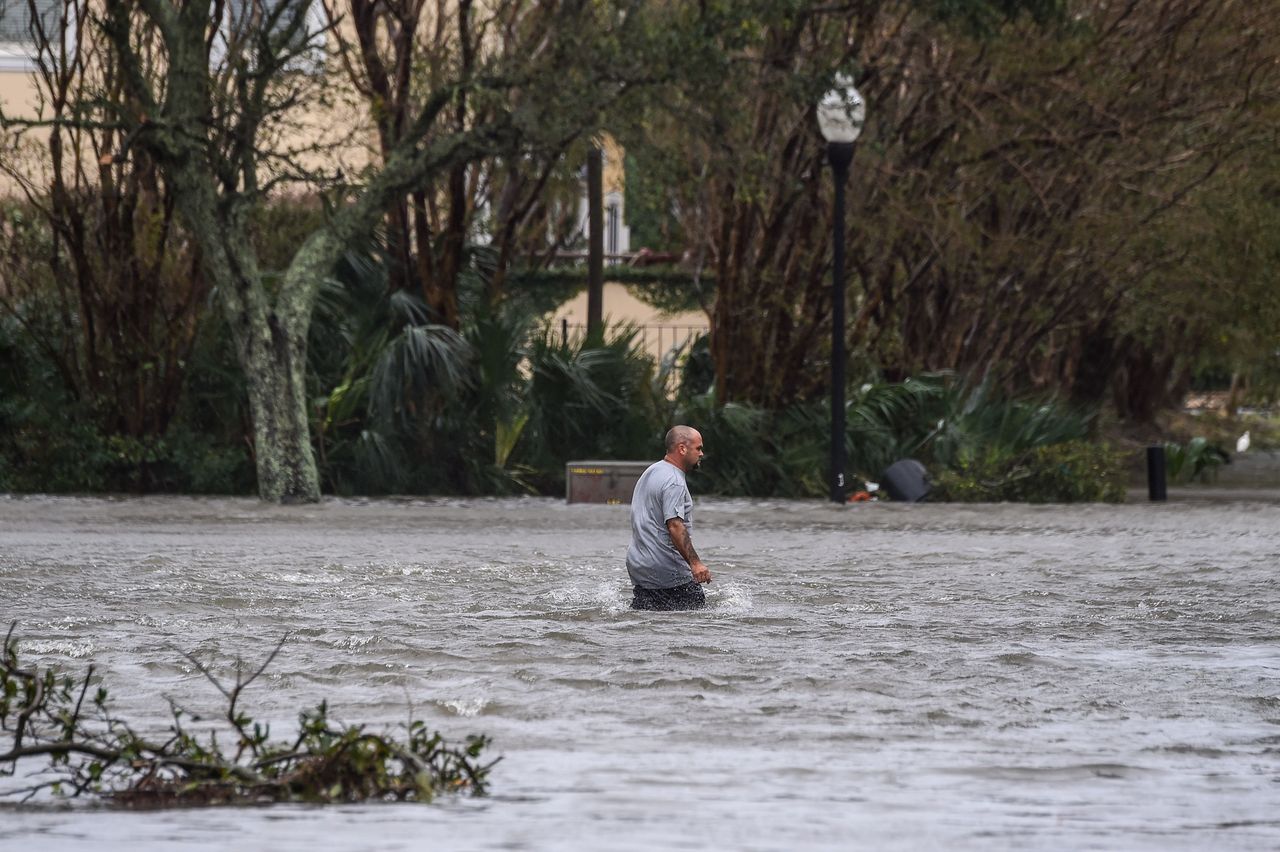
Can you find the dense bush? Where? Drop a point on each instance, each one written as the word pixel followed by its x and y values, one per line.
pixel 52 442
pixel 64 422
pixel 587 400
pixel 54 457
pixel 980 445
pixel 1196 461
pixel 1071 472
pixel 46 441
pixel 404 405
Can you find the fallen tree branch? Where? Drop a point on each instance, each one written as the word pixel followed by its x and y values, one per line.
pixel 92 751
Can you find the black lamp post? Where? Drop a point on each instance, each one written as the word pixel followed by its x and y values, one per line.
pixel 595 245
pixel 840 116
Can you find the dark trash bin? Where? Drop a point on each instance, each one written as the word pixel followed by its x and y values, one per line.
pixel 906 481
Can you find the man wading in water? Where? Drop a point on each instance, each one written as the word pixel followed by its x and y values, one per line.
pixel 663 565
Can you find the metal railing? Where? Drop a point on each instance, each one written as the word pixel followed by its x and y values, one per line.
pixel 663 341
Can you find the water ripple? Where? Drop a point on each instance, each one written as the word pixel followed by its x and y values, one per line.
pixel 916 676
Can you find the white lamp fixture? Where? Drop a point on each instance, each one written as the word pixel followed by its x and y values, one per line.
pixel 841 112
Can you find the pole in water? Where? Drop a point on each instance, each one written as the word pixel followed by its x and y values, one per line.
pixel 840 154
pixel 1156 474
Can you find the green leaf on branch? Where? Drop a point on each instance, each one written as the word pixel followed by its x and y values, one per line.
pixel 91 751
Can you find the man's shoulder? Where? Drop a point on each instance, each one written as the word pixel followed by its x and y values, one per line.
pixel 662 474
pixel 667 472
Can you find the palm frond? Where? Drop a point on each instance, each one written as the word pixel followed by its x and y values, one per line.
pixel 420 360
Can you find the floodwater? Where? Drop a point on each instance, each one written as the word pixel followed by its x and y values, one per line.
pixel 871 676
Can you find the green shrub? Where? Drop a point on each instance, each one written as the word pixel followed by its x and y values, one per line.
pixel 1075 472
pixel 404 405
pixel 697 370
pixel 742 459
pixel 760 453
pixel 585 400
pixel 53 443
pixel 55 455
pixel 205 464
pixel 987 446
pixel 1070 472
pixel 1196 461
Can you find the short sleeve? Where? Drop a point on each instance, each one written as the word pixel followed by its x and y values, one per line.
pixel 674 504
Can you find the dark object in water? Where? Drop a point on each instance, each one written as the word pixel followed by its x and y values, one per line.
pixel 906 481
pixel 688 596
pixel 1157 487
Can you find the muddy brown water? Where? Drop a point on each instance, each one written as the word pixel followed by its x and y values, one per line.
pixel 873 676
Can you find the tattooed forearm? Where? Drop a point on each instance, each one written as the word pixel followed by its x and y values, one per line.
pixel 682 540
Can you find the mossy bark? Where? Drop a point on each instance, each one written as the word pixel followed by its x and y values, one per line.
pixel 270 337
pixel 273 351
pixel 275 364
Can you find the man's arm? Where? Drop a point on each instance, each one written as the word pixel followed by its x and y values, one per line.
pixel 684 545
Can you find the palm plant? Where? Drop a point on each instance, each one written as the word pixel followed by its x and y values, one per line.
pixel 499 341
pixel 588 399
pixel 379 367
pixel 741 457
pixel 935 418
pixel 948 421
pixel 753 451
pixel 404 404
pixel 1196 461
pixel 889 421
pixel 976 425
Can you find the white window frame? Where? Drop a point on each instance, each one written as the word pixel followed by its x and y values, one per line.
pixel 14 58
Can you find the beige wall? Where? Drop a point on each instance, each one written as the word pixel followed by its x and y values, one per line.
pixel 660 331
pixel 17 100
pixel 17 94
pixel 342 129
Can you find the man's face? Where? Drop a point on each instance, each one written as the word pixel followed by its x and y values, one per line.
pixel 691 452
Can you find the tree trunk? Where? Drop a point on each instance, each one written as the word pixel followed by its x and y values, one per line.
pixel 271 341
pixel 274 362
pixel 270 334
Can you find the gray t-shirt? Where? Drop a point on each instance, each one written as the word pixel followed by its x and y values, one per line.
pixel 652 560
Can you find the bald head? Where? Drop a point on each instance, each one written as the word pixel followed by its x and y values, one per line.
pixel 677 435
pixel 684 447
